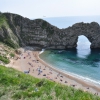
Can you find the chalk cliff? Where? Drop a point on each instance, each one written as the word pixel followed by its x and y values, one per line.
pixel 16 30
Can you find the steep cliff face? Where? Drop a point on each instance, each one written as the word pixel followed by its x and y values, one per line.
pixel 19 31
pixel 7 35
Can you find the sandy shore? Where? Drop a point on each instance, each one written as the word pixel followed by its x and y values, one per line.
pixel 29 62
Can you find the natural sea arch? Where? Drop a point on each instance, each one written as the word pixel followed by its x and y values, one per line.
pixel 83 42
pixel 83 46
pixel 91 31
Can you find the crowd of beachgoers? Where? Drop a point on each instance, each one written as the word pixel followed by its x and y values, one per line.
pixel 29 62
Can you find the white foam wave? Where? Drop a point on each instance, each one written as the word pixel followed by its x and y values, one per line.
pixel 87 79
pixel 42 51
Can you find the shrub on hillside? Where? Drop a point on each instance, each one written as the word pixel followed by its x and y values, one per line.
pixel 4 59
pixel 12 55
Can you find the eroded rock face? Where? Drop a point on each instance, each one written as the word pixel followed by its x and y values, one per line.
pixel 40 33
pixel 91 31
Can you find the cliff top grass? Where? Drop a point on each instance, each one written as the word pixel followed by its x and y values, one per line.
pixel 2 20
pixel 15 85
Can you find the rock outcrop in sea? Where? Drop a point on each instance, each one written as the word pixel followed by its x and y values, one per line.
pixel 16 30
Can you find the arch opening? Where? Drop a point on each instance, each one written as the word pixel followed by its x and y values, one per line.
pixel 83 46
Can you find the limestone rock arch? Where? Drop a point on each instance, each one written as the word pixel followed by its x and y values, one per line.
pixel 91 31
pixel 24 32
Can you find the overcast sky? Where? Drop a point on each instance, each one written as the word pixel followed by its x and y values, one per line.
pixel 51 8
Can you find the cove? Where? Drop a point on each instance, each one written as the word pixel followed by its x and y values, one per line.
pixel 82 65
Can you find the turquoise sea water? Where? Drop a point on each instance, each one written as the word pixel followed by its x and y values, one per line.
pixel 81 62
pixel 86 66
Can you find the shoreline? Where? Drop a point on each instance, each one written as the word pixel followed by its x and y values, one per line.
pixel 71 74
pixel 86 79
pixel 30 61
pixel 80 81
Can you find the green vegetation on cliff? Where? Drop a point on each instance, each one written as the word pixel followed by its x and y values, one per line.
pixel 3 20
pixel 15 85
pixel 10 43
pixel 12 54
pixel 6 53
pixel 8 36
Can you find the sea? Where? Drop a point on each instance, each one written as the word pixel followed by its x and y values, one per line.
pixel 82 62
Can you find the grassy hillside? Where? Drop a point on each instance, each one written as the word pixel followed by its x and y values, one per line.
pixel 4 59
pixel 15 85
pixel 6 53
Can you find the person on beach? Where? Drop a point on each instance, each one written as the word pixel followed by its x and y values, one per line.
pixel 61 76
pixel 39 72
pixel 65 81
pixel 87 87
pixel 44 74
pixel 27 71
pixel 96 94
pixel 73 85
pixel 44 68
pixel 55 77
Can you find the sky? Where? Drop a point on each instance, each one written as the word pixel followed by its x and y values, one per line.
pixel 51 8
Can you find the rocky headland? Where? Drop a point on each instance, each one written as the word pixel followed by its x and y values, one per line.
pixel 16 31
